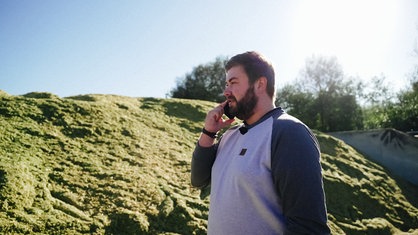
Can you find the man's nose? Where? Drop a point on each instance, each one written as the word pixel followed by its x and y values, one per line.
pixel 227 92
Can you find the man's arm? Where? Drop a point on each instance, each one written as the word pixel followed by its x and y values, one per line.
pixel 205 152
pixel 297 177
pixel 202 161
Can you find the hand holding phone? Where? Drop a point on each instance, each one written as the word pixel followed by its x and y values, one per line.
pixel 226 111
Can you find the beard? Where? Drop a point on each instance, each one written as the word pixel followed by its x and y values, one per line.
pixel 244 108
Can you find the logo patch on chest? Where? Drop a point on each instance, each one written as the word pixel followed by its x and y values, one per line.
pixel 243 151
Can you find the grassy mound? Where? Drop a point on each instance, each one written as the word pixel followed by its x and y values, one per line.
pixel 105 164
pixel 362 197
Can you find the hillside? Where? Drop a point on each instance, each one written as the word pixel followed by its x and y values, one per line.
pixel 105 164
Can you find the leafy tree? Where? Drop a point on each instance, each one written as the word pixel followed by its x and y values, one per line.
pixel 388 110
pixel 377 91
pixel 377 98
pixel 301 104
pixel 205 82
pixel 403 115
pixel 323 97
pixel 322 74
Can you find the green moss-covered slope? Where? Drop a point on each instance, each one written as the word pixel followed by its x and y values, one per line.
pixel 105 164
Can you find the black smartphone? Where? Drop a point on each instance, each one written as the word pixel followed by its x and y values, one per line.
pixel 227 113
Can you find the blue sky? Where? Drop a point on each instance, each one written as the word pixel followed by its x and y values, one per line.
pixel 141 48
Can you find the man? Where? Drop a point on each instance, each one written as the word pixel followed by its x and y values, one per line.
pixel 265 173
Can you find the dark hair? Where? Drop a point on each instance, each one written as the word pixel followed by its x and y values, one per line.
pixel 255 66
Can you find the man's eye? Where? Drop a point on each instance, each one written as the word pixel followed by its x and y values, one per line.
pixel 230 83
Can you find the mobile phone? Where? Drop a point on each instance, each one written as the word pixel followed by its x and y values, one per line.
pixel 227 113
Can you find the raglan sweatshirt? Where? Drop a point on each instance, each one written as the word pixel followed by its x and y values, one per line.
pixel 266 181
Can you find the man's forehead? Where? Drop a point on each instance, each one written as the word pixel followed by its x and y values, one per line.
pixel 235 73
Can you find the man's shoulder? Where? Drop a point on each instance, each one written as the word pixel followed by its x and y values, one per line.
pixel 286 118
pixel 286 122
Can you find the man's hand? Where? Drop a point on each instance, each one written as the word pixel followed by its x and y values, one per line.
pixel 213 123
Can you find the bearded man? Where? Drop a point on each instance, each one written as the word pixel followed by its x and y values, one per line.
pixel 265 173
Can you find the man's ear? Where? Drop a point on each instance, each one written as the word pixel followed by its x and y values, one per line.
pixel 261 84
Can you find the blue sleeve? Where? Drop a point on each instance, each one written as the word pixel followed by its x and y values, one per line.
pixel 297 177
pixel 202 162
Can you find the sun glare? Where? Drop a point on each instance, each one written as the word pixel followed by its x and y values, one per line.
pixel 355 31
